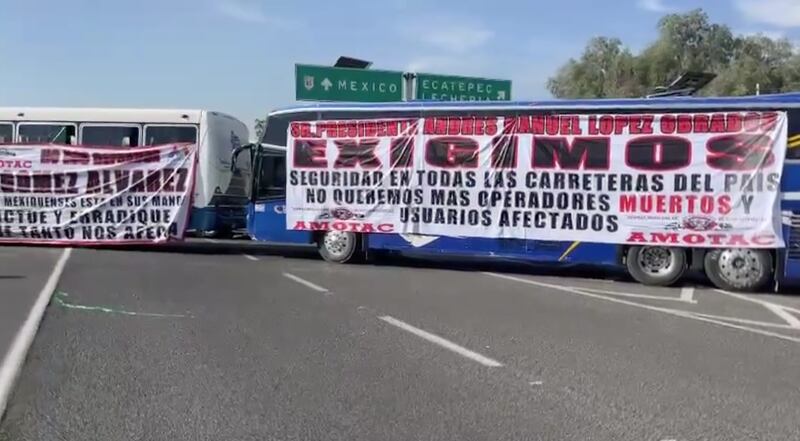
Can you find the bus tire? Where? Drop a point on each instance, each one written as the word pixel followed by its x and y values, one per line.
pixel 339 246
pixel 656 266
pixel 739 269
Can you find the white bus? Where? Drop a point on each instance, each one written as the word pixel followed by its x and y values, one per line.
pixel 220 194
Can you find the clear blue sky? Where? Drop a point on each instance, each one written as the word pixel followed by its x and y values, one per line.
pixel 238 55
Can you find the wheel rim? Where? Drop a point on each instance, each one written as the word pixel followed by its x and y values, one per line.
pixel 740 266
pixel 336 243
pixel 656 260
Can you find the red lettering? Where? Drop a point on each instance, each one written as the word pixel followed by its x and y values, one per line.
pixel 318 226
pixel 627 203
pixel 452 152
pixel 684 124
pixel 7 183
pixel 701 123
pixel 665 237
pixel 668 124
pixel 401 152
pixel 752 122
pixel 310 153
pixel 504 151
pixel 74 157
pixel 183 180
pixel 724 204
pixel 588 153
pixel 353 152
pixel 658 153
pixel 42 183
pixel 647 124
pixel 675 205
pixel 734 121
pixel 50 156
pixel 636 237
pixel 764 240
pixel 694 239
pixel 620 124
pixel 740 152
pixel 295 130
pixel 717 123
pixel 737 240
pixel 716 239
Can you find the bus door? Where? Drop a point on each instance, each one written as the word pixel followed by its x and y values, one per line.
pixel 266 216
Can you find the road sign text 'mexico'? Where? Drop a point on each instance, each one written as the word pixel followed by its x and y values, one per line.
pixel 320 83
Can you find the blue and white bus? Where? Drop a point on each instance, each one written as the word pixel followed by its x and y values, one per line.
pixel 742 269
pixel 220 194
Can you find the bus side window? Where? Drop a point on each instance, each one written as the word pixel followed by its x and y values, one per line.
pixel 6 133
pixel 117 136
pixel 47 133
pixel 158 135
pixel 272 180
pixel 793 122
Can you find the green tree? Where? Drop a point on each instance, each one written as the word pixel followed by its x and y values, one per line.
pixel 258 127
pixel 686 42
pixel 759 63
pixel 605 69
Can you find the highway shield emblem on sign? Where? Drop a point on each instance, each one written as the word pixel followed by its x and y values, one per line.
pixel 309 82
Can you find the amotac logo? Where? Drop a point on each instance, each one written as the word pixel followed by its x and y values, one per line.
pixel 340 213
pixel 698 223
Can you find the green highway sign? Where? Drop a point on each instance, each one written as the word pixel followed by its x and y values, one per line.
pixel 454 88
pixel 321 83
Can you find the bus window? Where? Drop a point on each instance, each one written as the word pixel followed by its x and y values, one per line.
pixel 157 135
pixel 118 136
pixel 272 177
pixel 6 134
pixel 46 133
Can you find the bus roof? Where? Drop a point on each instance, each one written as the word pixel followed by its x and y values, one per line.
pixel 109 115
pixel 774 101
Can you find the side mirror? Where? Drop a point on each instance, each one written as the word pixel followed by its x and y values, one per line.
pixel 237 151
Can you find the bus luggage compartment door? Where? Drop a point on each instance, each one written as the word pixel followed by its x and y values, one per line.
pixel 266 222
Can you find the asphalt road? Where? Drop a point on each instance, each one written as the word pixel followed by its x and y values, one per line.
pixel 143 345
pixel 23 274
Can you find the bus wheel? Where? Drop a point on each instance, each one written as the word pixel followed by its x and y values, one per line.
pixel 656 266
pixel 338 246
pixel 739 269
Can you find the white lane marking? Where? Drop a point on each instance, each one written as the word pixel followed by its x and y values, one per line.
pixel 249 257
pixel 536 383
pixel 633 295
pixel 687 295
pixel 746 321
pixel 212 241
pixel 12 363
pixel 779 310
pixel 447 344
pixel 305 282
pixel 675 312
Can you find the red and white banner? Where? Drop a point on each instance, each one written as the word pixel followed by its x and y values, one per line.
pixel 87 195
pixel 690 179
